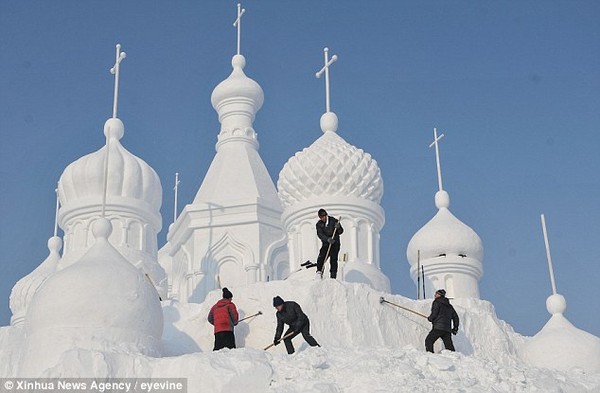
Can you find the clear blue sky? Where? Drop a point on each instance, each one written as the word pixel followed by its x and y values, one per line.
pixel 513 85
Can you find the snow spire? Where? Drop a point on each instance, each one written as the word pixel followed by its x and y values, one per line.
pixel 113 127
pixel 56 212
pixel 175 188
pixel 237 99
pixel 238 23
pixel 550 268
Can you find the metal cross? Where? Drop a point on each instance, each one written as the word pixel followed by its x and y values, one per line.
pixel 115 71
pixel 238 24
pixel 436 139
pixel 325 69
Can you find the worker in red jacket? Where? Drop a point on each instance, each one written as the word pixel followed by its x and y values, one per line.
pixel 224 316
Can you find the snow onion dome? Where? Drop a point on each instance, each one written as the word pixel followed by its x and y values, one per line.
pixel 236 100
pixel 330 166
pixel 131 180
pixel 444 234
pixel 25 288
pixel 101 302
pixel 560 345
pixel 450 252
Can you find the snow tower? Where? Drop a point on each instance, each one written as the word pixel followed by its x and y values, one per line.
pixel 231 234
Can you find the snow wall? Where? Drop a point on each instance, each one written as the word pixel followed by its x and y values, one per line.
pixel 366 347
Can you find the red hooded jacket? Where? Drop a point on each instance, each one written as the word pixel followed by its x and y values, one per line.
pixel 223 315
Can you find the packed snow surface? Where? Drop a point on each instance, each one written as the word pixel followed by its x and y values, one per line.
pixel 366 346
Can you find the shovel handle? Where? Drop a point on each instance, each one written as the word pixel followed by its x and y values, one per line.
pixel 382 300
pixel 280 340
pixel 250 316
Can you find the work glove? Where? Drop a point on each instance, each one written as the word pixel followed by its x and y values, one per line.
pixel 330 240
pixel 276 341
pixel 337 225
pixel 454 331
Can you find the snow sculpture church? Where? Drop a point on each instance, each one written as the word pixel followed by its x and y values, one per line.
pixel 239 229
pixel 236 232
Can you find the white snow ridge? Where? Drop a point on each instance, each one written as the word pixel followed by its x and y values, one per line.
pixel 366 346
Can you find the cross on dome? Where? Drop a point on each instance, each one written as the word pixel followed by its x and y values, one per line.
pixel 238 23
pixel 115 71
pixel 436 139
pixel 325 70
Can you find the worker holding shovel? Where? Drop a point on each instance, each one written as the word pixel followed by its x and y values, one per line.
pixel 329 231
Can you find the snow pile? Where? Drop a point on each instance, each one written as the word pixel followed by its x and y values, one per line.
pixel 366 347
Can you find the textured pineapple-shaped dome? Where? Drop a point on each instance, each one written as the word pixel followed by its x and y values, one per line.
pixel 129 176
pixel 444 233
pixel 330 166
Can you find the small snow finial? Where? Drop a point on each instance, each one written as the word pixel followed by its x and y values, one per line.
pixel 436 139
pixel 238 23
pixel 175 189
pixel 556 304
pixel 102 228
pixel 55 244
pixel 442 199
pixel 552 282
pixel 115 71
pixel 325 69
pixel 329 122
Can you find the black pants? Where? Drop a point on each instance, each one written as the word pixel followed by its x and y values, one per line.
pixel 432 337
pixel 333 258
pixel 224 340
pixel 305 334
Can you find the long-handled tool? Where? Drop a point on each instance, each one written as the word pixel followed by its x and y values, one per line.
pixel 152 283
pixel 305 265
pixel 382 300
pixel 280 340
pixel 250 316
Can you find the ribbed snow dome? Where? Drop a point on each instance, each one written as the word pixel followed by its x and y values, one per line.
pixel 235 86
pixel 25 288
pixel 129 176
pixel 101 301
pixel 330 166
pixel 444 233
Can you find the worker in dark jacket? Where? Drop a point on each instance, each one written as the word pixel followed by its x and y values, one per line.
pixel 445 321
pixel 326 226
pixel 291 314
pixel 224 316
